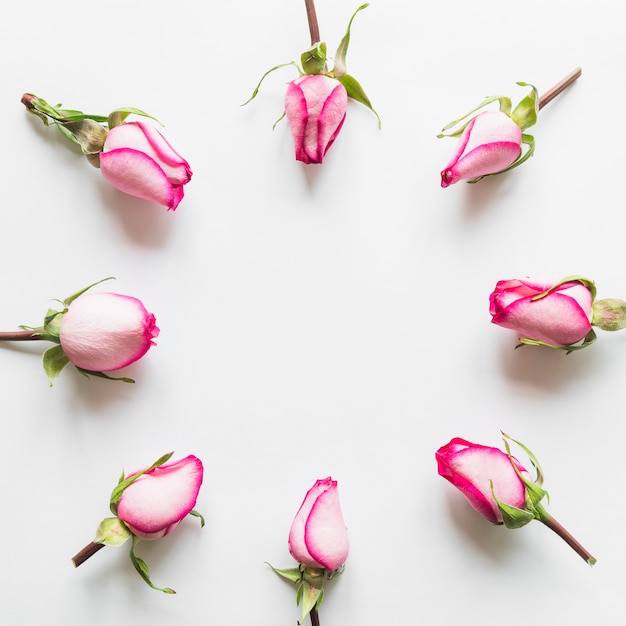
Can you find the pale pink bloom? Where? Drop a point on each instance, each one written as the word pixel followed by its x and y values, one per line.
pixel 561 318
pixel 318 536
pixel 101 332
pixel 489 144
pixel 473 469
pixel 154 504
pixel 139 161
pixel 315 106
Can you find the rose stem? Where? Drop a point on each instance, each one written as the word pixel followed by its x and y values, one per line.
pixel 315 618
pixel 311 15
pixel 552 524
pixel 559 87
pixel 89 550
pixel 20 335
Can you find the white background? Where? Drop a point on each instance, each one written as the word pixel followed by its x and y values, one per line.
pixel 315 320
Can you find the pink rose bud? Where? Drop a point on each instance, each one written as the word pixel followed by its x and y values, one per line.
pixel 315 103
pixel 318 536
pixel 148 504
pixel 499 487
pixel 479 472
pixel 318 540
pixel 555 313
pixel 138 160
pixel 154 504
pixel 102 332
pixel 316 109
pixel 134 157
pixel 490 143
pixel 97 333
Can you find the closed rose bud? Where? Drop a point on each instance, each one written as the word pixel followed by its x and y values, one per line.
pixel 154 504
pixel 546 312
pixel 148 504
pixel 318 536
pixel 499 487
pixel 490 143
pixel 139 161
pixel 101 332
pixel 473 469
pixel 315 106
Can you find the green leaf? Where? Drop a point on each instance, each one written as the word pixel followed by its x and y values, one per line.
pixel 276 67
pixel 311 597
pixel 525 113
pixel 117 492
pixel 54 360
pixel 118 116
pixel 355 91
pixel 505 107
pixel 196 514
pixel 339 68
pixel 73 297
pixel 141 567
pixel 314 59
pixel 88 373
pixel 293 574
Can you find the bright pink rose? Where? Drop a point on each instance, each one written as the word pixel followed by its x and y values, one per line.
pixel 473 469
pixel 318 535
pixel 138 160
pixel 489 144
pixel 559 319
pixel 315 106
pixel 102 332
pixel 154 504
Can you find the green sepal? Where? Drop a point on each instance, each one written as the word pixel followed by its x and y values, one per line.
pixel 505 107
pixel 528 140
pixel 574 278
pixel 54 360
pixel 46 112
pixel 118 116
pixel 609 314
pixel 87 133
pixel 276 67
pixel 339 68
pixel 355 91
pixel 198 515
pixel 293 574
pixel 525 113
pixel 88 373
pixel 590 337
pixel 310 596
pixel 314 59
pixel 512 517
pixel 52 324
pixel 534 492
pixel 73 297
pixel 117 492
pixel 140 565
pixel 112 532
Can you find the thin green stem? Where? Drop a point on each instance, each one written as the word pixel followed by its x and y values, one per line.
pixel 552 524
pixel 311 15
pixel 20 335
pixel 559 87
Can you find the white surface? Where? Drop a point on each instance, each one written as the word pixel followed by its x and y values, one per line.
pixel 315 320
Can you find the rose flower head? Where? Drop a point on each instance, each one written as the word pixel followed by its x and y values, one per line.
pixel 557 313
pixel 149 504
pixel 98 333
pixel 316 101
pixel 318 540
pixel 490 142
pixel 134 157
pixel 498 487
